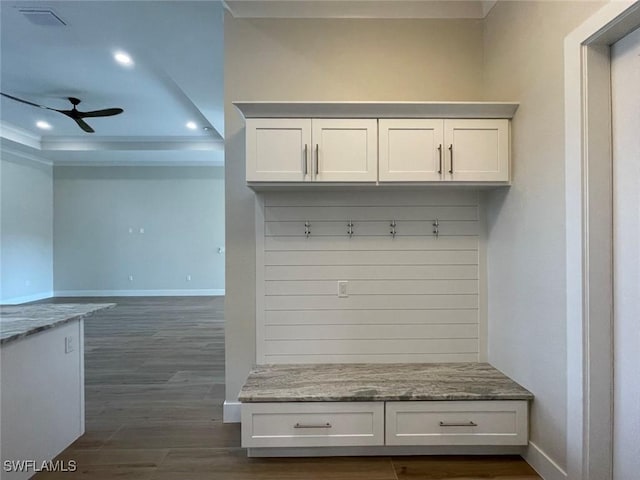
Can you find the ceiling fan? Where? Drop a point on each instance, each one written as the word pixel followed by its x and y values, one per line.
pixel 74 113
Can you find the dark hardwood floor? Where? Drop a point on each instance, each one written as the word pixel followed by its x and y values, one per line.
pixel 154 374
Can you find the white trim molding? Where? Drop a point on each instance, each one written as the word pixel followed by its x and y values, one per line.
pixel 26 298
pixel 588 239
pixel 231 412
pixel 18 135
pixel 543 463
pixel 141 293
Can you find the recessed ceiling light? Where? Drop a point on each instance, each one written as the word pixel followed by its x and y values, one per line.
pixel 43 125
pixel 123 58
pixel 192 125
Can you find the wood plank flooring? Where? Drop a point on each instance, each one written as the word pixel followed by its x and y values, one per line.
pixel 154 373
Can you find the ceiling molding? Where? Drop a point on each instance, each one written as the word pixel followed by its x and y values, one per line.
pixel 19 135
pixel 26 156
pixel 135 163
pixel 358 8
pixel 487 5
pixel 130 143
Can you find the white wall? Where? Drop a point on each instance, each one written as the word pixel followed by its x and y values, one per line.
pixel 271 59
pixel 180 210
pixel 523 61
pixel 26 230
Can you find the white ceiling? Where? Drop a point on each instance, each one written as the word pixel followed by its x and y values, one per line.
pixel 177 77
pixel 177 47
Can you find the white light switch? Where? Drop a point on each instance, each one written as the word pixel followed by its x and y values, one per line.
pixel 342 288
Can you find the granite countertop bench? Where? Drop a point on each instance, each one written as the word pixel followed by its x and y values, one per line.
pixel 379 382
pixel 20 321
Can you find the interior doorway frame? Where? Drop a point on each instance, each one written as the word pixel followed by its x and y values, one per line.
pixel 589 239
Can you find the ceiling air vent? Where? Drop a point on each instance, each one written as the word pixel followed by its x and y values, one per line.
pixel 42 16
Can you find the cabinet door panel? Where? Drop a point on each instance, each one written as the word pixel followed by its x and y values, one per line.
pixel 278 150
pixel 410 150
pixel 477 150
pixel 345 150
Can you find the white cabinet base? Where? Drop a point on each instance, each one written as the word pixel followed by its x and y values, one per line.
pixel 457 423
pixel 312 424
pixel 385 428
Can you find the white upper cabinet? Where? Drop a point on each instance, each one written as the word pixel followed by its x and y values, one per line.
pixel 457 150
pixel 477 150
pixel 278 149
pixel 411 150
pixel 345 150
pixel 311 150
pixel 294 143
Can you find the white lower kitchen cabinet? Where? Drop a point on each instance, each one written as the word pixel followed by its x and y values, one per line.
pixel 312 424
pixel 457 423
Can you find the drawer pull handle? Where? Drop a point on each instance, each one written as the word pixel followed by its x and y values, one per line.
pixel 312 425
pixel 458 424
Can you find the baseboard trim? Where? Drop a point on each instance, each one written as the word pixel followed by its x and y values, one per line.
pixel 383 450
pixel 141 293
pixel 231 412
pixel 27 298
pixel 543 464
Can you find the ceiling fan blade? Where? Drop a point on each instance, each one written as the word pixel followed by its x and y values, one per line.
pixel 107 112
pixel 84 126
pixel 24 101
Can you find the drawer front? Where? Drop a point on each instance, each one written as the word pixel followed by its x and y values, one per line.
pixel 457 423
pixel 312 424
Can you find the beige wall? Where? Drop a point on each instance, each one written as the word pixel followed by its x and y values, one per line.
pixel 523 61
pixel 268 59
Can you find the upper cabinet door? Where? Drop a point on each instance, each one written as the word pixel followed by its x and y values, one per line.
pixel 476 150
pixel 411 150
pixel 345 150
pixel 278 150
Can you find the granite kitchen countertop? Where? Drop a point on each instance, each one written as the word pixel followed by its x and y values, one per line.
pixel 19 321
pixel 379 382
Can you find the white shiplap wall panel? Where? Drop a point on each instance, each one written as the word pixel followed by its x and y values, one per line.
pixel 370 317
pixel 372 287
pixel 371 272
pixel 359 242
pixel 360 332
pixel 412 298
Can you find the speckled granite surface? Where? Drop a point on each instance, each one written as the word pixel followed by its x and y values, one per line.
pixel 19 321
pixel 379 382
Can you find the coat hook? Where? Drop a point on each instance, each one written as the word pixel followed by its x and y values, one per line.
pixel 307 228
pixel 350 228
pixel 436 225
pixel 393 228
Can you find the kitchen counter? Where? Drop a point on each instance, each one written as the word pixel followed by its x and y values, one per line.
pixel 19 321
pixel 379 382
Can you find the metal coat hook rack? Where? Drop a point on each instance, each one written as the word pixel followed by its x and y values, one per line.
pixel 350 228
pixel 436 226
pixel 307 229
pixel 393 228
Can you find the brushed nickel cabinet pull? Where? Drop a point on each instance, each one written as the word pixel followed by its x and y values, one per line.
pixel 317 158
pixel 306 160
pixel 451 151
pixel 312 425
pixel 458 424
pixel 440 155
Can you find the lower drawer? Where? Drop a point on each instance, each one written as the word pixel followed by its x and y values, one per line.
pixel 499 422
pixel 312 424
